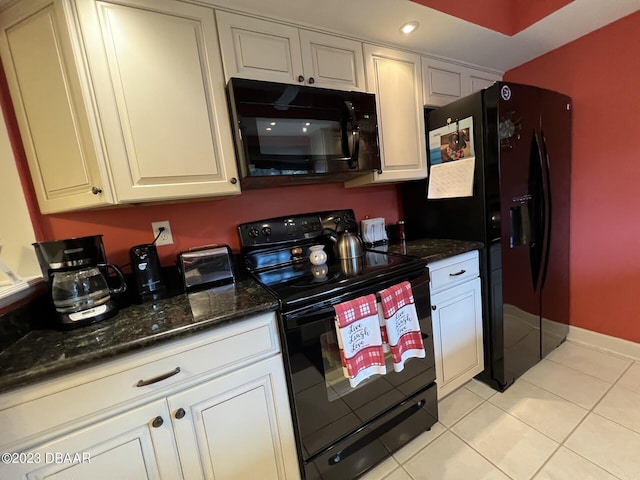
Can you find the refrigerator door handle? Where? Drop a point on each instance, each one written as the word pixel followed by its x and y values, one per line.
pixel 548 210
pixel 537 209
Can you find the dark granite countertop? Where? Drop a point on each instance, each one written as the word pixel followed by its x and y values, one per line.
pixel 42 354
pixel 431 249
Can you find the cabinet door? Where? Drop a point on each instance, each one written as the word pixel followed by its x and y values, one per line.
pixel 477 80
pixel 457 335
pixel 237 426
pixel 442 82
pixel 258 49
pixel 394 76
pixel 161 95
pixel 125 446
pixel 49 93
pixel 332 62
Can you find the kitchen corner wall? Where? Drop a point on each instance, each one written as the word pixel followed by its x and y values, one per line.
pixel 601 73
pixel 214 221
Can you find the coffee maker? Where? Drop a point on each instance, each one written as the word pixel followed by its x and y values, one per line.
pixel 76 273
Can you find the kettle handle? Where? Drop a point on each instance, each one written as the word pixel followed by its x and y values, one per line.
pixel 123 283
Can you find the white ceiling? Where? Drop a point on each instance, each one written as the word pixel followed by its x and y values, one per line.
pixel 441 34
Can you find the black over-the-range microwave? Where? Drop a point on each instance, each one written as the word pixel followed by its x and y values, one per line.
pixel 288 134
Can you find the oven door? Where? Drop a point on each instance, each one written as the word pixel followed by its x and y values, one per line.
pixel 329 411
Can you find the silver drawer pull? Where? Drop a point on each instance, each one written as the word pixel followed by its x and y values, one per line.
pixel 457 273
pixel 159 378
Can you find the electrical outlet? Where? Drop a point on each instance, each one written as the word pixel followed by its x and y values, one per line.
pixel 162 238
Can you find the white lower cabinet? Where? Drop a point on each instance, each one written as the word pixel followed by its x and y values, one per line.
pixel 232 427
pixel 228 421
pixel 129 445
pixel 456 304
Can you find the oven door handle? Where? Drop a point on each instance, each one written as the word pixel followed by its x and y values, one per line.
pixel 316 313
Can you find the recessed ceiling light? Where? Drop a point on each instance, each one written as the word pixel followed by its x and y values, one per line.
pixel 409 27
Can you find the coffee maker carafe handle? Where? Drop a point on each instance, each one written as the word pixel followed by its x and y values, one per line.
pixel 123 283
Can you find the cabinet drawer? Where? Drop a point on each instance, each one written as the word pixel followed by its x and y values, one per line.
pixel 37 409
pixel 453 271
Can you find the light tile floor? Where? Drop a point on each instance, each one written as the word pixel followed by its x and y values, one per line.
pixel 575 415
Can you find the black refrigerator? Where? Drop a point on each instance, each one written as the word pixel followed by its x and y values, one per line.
pixel 499 173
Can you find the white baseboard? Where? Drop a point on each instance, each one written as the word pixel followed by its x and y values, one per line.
pixel 604 342
pixel 588 338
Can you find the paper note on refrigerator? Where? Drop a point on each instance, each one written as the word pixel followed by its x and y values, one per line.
pixel 452 179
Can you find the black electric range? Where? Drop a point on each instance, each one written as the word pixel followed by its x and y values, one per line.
pixel 341 431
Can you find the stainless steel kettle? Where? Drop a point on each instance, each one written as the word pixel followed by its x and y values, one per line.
pixel 346 244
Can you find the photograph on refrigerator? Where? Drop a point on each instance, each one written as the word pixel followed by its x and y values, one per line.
pixel 451 142
pixel 452 159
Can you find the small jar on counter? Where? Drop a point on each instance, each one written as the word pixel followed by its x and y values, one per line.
pixel 401 233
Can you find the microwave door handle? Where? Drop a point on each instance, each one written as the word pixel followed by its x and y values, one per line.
pixel 353 163
pixel 352 156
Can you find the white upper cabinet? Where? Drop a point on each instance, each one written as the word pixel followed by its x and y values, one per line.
pixel 49 89
pixel 124 101
pixel 264 50
pixel 395 77
pixel 119 101
pixel 160 92
pixel 444 82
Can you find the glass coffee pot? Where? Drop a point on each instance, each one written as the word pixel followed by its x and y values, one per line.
pixel 83 296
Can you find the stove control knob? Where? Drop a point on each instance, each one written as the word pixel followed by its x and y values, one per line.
pixel 253 232
pixel 266 231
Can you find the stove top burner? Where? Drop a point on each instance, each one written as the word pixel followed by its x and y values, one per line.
pixel 304 283
pixel 276 252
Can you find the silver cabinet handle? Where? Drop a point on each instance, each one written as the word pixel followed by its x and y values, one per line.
pixel 457 273
pixel 159 378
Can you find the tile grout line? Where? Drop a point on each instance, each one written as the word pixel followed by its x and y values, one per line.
pixel 591 411
pixel 484 400
pixel 560 444
pixel 581 421
pixel 608 353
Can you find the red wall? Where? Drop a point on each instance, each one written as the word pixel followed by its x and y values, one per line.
pixel 214 221
pixel 601 73
pixel 504 16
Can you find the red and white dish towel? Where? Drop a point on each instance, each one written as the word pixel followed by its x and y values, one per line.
pixel 399 316
pixel 359 339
